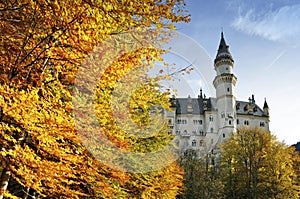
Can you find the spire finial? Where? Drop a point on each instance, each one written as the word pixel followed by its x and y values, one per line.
pixel 201 96
pixel 265 104
pixel 222 35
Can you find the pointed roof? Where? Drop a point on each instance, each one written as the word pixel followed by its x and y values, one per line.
pixel 223 51
pixel 265 104
pixel 223 47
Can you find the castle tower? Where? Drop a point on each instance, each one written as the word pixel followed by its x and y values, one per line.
pixel 224 83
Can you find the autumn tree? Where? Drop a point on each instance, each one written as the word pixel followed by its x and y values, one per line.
pixel 256 165
pixel 42 47
pixel 201 178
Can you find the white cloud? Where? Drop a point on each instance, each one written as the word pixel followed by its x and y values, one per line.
pixel 282 25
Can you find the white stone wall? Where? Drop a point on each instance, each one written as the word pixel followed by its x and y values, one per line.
pixel 252 121
pixel 203 132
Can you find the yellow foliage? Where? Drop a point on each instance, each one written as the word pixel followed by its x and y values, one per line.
pixel 44 44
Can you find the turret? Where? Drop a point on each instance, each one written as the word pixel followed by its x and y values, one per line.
pixel 266 108
pixel 223 61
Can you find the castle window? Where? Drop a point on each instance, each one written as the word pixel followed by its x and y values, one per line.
pixel 211 118
pixel 228 89
pixel 197 122
pixel 201 132
pixel 201 143
pixel 194 143
pixel 181 121
pixel 237 121
pixel 246 122
pixel 223 135
pixel 222 115
pixel 238 106
pixel 229 122
pixel 262 124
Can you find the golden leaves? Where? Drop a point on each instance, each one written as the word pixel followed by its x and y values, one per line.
pixel 43 44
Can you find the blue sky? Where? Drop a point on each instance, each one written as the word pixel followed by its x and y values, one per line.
pixel 264 40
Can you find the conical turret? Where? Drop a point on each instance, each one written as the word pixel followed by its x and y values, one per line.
pixel 223 53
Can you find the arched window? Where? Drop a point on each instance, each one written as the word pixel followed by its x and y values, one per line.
pixel 246 122
pixel 194 143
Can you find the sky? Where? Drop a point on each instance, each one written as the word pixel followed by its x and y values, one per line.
pixel 264 40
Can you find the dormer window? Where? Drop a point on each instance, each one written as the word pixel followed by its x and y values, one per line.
pixel 189 108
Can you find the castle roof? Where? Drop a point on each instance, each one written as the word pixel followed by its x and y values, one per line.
pixel 199 105
pixel 223 51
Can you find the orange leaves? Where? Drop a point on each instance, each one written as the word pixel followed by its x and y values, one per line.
pixel 43 45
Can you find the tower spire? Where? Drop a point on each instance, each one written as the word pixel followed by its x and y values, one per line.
pixel 223 51
pixel 265 104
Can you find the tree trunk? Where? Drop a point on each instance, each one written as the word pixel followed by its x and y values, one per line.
pixel 5 176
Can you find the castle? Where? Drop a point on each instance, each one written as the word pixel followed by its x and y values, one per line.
pixel 203 123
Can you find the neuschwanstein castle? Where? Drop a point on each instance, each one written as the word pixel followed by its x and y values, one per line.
pixel 203 123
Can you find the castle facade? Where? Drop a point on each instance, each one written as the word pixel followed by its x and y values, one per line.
pixel 202 123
